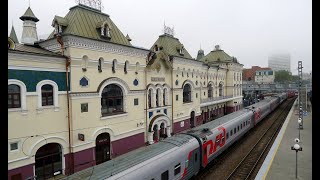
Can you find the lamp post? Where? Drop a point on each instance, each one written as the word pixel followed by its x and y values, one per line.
pixel 301 116
pixel 299 122
pixel 297 148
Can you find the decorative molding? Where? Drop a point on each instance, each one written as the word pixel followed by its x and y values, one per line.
pixel 36 58
pixel 90 44
pixel 21 67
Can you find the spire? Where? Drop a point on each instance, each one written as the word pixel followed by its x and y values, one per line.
pixel 28 15
pixel 13 35
pixel 128 38
pixel 200 53
pixel 29 32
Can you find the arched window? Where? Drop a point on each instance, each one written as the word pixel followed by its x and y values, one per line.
pixel 14 96
pixel 47 91
pixel 149 98
pixel 105 31
pixel 126 67
pixel 47 95
pixel 158 98
pixel 186 93
pixel 84 63
pixel 137 67
pixel 220 89
pixel 111 100
pixel 100 65
pixel 114 63
pixel 210 91
pixel 164 96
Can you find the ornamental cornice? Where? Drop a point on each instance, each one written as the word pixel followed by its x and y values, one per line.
pixel 179 60
pixel 84 43
pixel 84 94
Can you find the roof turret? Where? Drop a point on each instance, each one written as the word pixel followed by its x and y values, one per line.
pixel 28 15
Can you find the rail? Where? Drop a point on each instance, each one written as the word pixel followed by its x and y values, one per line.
pixel 252 158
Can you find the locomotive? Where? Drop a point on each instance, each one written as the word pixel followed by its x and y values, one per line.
pixel 183 155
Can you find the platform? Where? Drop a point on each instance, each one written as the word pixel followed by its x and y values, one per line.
pixel 280 162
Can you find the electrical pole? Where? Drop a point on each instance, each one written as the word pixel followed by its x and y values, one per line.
pixel 300 93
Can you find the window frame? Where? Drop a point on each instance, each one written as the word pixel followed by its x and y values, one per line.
pixel 12 96
pixel 23 95
pixel 187 98
pixel 55 94
pixel 177 167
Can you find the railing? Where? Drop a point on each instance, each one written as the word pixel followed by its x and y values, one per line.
pixel 214 99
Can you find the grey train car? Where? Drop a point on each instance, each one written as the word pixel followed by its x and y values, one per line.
pixel 183 155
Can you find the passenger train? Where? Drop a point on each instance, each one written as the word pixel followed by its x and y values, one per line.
pixel 183 155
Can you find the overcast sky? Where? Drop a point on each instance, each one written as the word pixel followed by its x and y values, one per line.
pixel 247 29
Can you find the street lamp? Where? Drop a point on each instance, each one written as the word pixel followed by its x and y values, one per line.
pixel 297 148
pixel 301 116
pixel 299 122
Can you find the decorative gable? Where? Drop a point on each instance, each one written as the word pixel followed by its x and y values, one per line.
pixel 104 28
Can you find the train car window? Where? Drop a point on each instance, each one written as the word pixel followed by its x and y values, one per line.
pixel 196 157
pixel 244 123
pixel 218 142
pixel 177 169
pixel 165 175
pixel 241 126
pixel 238 127
pixel 227 135
pixel 235 130
pixel 231 132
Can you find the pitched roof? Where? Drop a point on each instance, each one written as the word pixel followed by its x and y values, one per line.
pixel 170 46
pixel 28 15
pixel 13 35
pixel 83 21
pixel 23 48
pixel 62 21
pixel 217 56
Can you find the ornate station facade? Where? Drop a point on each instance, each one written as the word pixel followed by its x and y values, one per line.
pixel 86 95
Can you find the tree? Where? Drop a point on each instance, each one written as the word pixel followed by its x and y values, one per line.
pixel 282 76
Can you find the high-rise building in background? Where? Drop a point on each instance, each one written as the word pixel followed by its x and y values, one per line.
pixel 279 62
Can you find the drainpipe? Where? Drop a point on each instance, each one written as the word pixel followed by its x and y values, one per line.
pixel 59 40
pixel 146 90
pixel 172 125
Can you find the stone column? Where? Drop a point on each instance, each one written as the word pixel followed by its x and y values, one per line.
pixel 150 137
pixel 168 131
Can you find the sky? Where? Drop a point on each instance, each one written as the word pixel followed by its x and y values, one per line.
pixel 249 30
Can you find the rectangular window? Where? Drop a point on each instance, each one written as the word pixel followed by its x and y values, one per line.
pixel 177 169
pixel 136 101
pixel 165 175
pixel 227 135
pixel 235 130
pixel 231 132
pixel 196 157
pixel 177 97
pixel 13 146
pixel 84 107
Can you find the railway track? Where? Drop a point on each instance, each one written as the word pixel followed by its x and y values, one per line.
pixel 249 162
pixel 224 167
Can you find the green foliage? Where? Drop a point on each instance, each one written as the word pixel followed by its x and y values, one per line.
pixel 283 76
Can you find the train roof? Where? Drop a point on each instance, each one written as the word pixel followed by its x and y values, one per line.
pixel 259 104
pixel 217 122
pixel 130 159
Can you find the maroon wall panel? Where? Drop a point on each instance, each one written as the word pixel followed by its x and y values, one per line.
pixel 25 171
pixel 125 145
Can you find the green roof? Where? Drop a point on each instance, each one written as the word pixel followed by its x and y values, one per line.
pixel 62 21
pixel 13 35
pixel 171 46
pixel 84 21
pixel 28 15
pixel 217 56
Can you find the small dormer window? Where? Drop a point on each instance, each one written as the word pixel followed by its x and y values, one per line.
pixel 57 29
pixel 156 48
pixel 181 50
pixel 105 30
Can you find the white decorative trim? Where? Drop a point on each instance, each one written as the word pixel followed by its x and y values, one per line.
pixel 95 45
pixel 22 67
pixel 23 92
pixel 114 116
pixel 44 58
pixel 55 94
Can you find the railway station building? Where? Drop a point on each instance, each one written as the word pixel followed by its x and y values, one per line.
pixel 86 95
